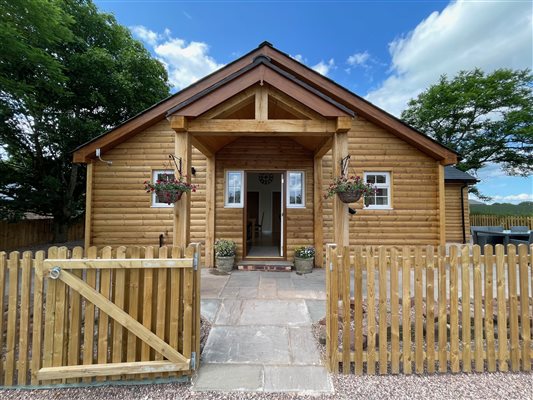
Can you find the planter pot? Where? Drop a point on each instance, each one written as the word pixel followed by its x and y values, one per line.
pixel 350 197
pixel 168 196
pixel 225 264
pixel 304 265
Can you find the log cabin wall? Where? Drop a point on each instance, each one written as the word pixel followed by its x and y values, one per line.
pixel 122 214
pixel 454 222
pixel 414 218
pixel 261 153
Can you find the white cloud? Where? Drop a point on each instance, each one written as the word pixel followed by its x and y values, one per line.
pixel 145 34
pixel 324 67
pixel 358 59
pixel 513 198
pixel 186 62
pixel 488 35
pixel 299 58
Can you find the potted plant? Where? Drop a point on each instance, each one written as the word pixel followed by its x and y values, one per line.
pixel 349 189
pixel 170 190
pixel 304 259
pixel 225 251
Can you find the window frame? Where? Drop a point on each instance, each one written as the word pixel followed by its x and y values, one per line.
pixel 387 185
pixel 227 204
pixel 289 205
pixel 155 172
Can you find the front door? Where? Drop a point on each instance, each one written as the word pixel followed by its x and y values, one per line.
pixel 264 206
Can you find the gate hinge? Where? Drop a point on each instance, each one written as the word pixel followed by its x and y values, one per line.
pixel 195 261
pixel 193 360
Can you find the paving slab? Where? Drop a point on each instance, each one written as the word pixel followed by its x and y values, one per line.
pixel 209 308
pixel 247 344
pixel 301 379
pixel 274 312
pixel 229 312
pixel 249 279
pixel 228 377
pixel 239 293
pixel 303 346
pixel 317 309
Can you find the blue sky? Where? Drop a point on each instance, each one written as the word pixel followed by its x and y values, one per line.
pixel 386 51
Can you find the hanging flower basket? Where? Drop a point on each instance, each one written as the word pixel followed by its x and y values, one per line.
pixel 350 196
pixel 169 196
pixel 170 189
pixel 349 189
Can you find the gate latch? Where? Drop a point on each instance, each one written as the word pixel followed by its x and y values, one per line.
pixel 195 260
pixel 55 272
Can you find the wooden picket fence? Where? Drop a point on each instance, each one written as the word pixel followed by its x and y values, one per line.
pixel 33 232
pixel 501 220
pixel 110 314
pixel 372 316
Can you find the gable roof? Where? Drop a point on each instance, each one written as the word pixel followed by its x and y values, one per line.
pixel 291 69
pixel 452 174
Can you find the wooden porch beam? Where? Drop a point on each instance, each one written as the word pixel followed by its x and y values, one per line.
pixel 344 124
pixel 182 208
pixel 318 218
pixel 210 188
pixel 202 147
pixel 253 127
pixel 341 226
pixel 261 103
pixel 178 123
pixel 324 147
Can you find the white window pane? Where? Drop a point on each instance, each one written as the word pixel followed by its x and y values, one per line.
pixel 381 201
pixel 295 188
pixel 238 196
pixel 381 179
pixel 371 179
pixel 381 192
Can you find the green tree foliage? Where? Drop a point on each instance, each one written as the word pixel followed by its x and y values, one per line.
pixel 524 208
pixel 67 74
pixel 486 118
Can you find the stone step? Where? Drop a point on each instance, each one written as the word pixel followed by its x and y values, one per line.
pixel 270 266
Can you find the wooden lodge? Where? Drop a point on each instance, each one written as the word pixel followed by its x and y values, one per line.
pixel 263 138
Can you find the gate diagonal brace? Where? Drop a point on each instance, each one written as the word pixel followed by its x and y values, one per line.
pixel 121 317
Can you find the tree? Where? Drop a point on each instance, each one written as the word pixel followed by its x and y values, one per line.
pixel 486 118
pixel 68 74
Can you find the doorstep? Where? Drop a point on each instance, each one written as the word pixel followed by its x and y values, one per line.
pixel 270 266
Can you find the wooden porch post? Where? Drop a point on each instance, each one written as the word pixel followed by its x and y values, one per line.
pixel 341 227
pixel 210 211
pixel 318 220
pixel 442 207
pixel 182 208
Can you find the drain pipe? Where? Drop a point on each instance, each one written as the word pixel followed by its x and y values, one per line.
pixel 463 211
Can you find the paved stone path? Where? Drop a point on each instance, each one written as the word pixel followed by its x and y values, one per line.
pixel 261 338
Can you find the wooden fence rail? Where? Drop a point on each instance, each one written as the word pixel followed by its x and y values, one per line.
pixel 33 232
pixel 423 308
pixel 501 220
pixel 123 313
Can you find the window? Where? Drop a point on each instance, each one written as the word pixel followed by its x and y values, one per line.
pixel 380 199
pixel 234 189
pixel 161 175
pixel 296 189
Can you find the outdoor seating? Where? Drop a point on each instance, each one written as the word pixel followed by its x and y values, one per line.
pixel 482 238
pixel 529 240
pixel 520 228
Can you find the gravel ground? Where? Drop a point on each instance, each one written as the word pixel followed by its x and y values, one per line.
pixel 462 386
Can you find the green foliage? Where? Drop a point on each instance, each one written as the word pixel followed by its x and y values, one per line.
pixel 68 74
pixel 304 252
pixel 486 118
pixel 225 248
pixel 524 208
